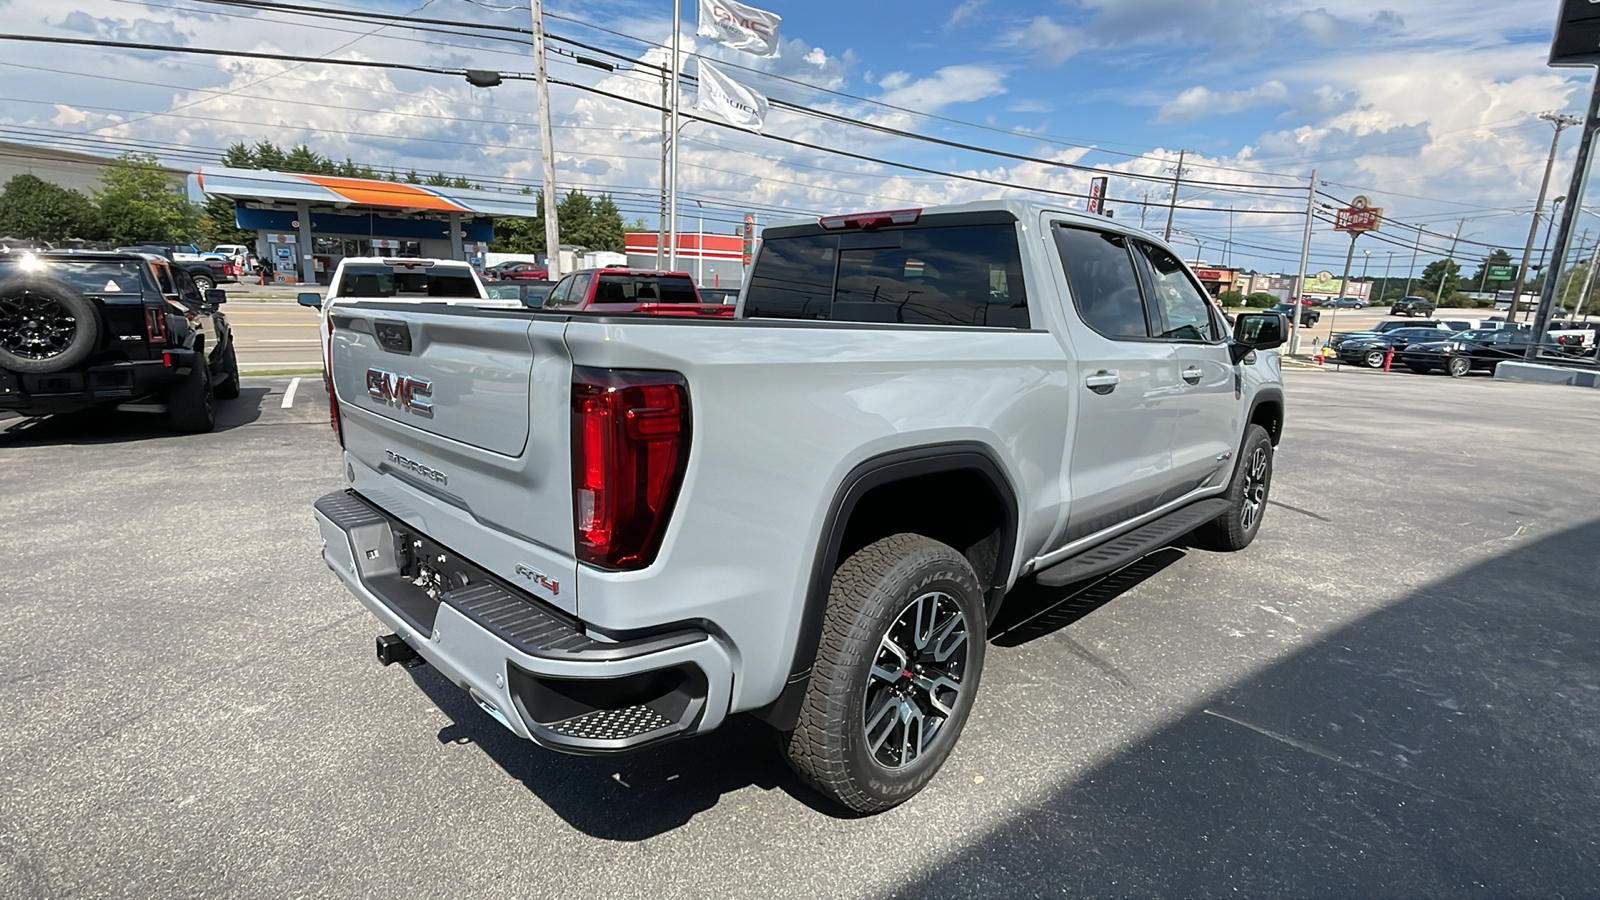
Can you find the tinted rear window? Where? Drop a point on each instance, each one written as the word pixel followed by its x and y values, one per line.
pixel 644 289
pixel 88 276
pixel 384 281
pixel 952 275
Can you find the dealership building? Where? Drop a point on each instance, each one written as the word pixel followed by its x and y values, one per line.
pixel 305 224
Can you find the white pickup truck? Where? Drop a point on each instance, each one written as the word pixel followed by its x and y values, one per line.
pixel 618 530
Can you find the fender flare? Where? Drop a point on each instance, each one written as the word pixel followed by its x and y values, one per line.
pixel 1263 396
pixel 887 468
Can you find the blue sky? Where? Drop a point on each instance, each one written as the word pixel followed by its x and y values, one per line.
pixel 1430 107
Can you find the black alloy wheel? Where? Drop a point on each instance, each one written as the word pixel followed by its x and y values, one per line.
pixel 916 680
pixel 45 326
pixel 1246 496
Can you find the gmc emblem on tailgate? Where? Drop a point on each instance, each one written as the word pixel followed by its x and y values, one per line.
pixel 400 390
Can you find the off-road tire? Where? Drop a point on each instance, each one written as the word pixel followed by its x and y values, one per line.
pixel 228 387
pixel 1247 496
pixel 45 326
pixel 872 595
pixel 191 406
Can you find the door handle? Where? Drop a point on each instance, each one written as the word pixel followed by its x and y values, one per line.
pixel 1192 374
pixel 1102 382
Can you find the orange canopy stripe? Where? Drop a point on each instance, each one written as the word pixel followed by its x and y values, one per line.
pixel 385 193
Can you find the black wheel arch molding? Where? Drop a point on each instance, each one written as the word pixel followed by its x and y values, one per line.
pixel 1272 418
pixel 880 471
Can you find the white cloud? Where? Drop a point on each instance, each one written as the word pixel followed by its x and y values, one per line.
pixel 1199 102
pixel 1047 40
pixel 963 13
pixel 951 84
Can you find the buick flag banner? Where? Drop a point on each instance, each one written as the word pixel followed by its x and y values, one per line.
pixel 729 100
pixel 740 27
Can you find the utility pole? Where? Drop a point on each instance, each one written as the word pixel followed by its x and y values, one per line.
pixel 547 150
pixel 1589 277
pixel 1172 207
pixel 666 136
pixel 1305 263
pixel 1386 267
pixel 1561 123
pixel 1412 272
pixel 1143 208
pixel 1450 260
pixel 672 175
pixel 1549 226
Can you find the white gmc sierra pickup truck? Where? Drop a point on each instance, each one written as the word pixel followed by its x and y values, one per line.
pixel 618 530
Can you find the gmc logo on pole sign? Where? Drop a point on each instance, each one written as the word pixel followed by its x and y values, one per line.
pixel 401 391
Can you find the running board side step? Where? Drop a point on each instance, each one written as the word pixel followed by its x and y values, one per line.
pixel 1123 549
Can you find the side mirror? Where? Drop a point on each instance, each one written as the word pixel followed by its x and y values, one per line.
pixel 309 299
pixel 1258 331
pixel 216 297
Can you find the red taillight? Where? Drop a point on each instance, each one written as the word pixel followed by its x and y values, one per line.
pixel 630 447
pixel 155 324
pixel 871 220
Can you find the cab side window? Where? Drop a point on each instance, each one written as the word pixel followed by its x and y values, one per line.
pixel 1183 306
pixel 1105 285
pixel 187 292
pixel 163 278
pixel 558 296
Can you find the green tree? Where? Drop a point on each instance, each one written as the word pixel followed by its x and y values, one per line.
pixel 412 177
pixel 437 179
pixel 306 161
pixel 239 156
pixel 1231 299
pixel 520 235
pixel 575 218
pixel 141 202
pixel 607 231
pixel 219 224
pixel 1261 300
pixel 1441 277
pixel 267 156
pixel 31 207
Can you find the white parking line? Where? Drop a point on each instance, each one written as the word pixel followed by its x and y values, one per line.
pixel 288 396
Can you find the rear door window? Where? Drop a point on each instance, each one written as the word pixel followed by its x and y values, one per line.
pixel 388 281
pixel 965 275
pixel 1105 286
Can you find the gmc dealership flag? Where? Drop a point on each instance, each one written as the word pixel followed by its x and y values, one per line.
pixel 740 27
pixel 729 100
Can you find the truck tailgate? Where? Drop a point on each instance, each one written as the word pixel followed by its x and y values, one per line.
pixel 461 425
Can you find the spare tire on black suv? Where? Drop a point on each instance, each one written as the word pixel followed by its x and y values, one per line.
pixel 45 326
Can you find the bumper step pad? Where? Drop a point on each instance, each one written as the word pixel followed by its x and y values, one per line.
pixel 613 724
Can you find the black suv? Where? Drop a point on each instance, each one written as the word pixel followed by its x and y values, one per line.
pixel 131 330
pixel 1412 306
pixel 1308 316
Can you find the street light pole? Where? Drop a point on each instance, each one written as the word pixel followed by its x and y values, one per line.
pixel 547 151
pixel 1172 206
pixel 1549 225
pixel 1412 272
pixel 672 182
pixel 1561 122
pixel 1386 267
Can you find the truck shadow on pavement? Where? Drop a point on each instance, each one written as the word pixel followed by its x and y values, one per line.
pixel 634 796
pixel 1440 746
pixel 641 795
pixel 108 426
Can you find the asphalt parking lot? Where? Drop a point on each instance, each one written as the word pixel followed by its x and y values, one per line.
pixel 1394 692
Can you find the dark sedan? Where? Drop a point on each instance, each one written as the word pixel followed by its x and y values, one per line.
pixel 1382 328
pixel 1372 350
pixel 1469 351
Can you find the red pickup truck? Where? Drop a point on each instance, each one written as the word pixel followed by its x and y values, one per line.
pixel 619 290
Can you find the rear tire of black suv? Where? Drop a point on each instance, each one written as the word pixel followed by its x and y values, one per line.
pixel 228 387
pixel 191 407
pixel 895 676
pixel 1247 496
pixel 45 326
